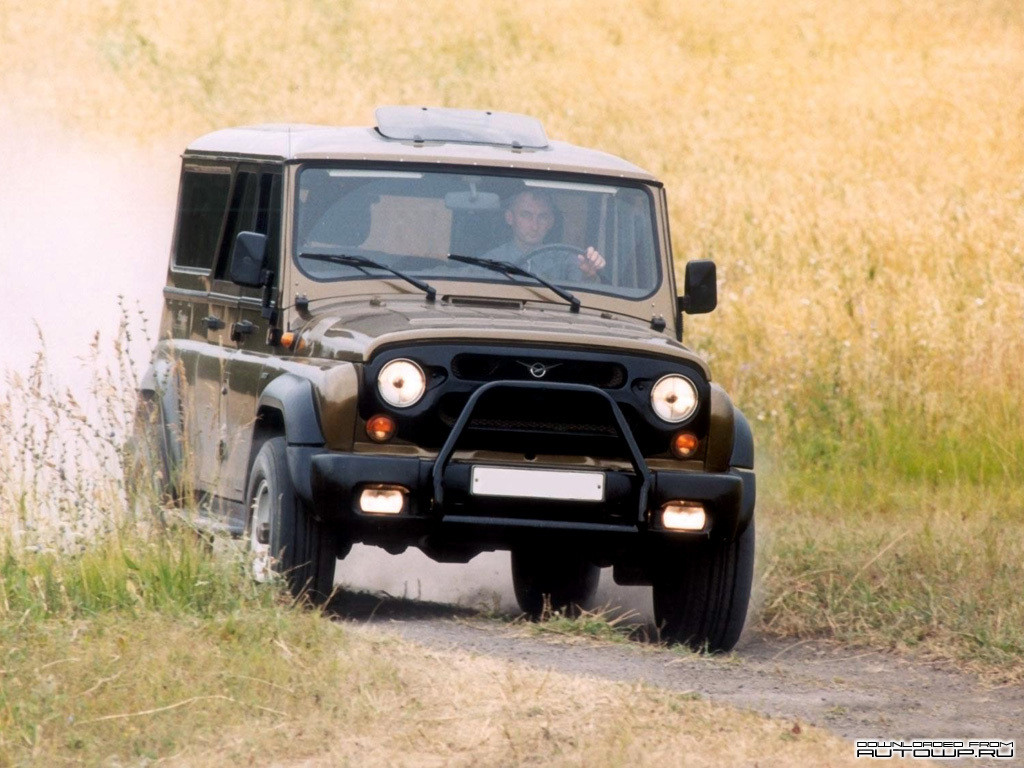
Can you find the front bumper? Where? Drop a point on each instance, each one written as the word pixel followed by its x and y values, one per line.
pixel 336 481
pixel 442 512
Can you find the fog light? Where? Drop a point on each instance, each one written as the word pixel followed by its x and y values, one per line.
pixel 382 500
pixel 684 516
pixel 380 428
pixel 684 445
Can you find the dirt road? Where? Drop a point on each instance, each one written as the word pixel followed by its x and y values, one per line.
pixel 853 693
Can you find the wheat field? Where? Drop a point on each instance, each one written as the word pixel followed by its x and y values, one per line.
pixel 856 169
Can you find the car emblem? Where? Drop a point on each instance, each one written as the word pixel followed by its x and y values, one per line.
pixel 538 370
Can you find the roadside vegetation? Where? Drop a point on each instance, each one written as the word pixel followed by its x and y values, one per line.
pixel 854 168
pixel 126 638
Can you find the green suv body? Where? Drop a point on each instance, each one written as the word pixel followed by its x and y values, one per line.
pixel 448 332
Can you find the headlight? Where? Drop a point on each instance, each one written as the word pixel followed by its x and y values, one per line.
pixel 401 383
pixel 674 398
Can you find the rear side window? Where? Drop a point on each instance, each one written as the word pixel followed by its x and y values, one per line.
pixel 204 200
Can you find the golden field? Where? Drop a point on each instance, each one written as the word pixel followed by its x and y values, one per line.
pixel 856 170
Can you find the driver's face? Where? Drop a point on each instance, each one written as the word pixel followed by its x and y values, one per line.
pixel 530 218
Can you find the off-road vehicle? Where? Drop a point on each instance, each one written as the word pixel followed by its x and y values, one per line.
pixel 448 332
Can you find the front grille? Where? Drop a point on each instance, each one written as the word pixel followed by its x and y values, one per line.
pixel 539 421
pixel 484 367
pixel 543 426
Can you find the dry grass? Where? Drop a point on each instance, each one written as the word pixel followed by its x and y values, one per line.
pixel 855 168
pixel 944 585
pixel 124 642
pixel 274 686
pixel 61 456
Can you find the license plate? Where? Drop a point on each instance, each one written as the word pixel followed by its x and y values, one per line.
pixel 564 485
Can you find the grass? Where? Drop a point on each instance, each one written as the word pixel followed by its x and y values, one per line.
pixel 268 683
pixel 127 641
pixel 854 168
pixel 605 624
pixel 941 584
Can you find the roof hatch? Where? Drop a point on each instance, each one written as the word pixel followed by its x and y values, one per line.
pixel 469 126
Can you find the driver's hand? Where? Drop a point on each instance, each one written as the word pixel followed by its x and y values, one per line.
pixel 591 262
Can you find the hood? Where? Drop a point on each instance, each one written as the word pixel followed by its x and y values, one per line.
pixel 356 330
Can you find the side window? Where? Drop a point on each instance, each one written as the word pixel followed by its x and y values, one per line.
pixel 268 220
pixel 241 216
pixel 255 207
pixel 204 199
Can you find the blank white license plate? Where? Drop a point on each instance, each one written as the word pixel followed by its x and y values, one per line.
pixel 559 484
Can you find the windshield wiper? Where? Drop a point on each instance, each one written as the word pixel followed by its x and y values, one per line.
pixel 362 261
pixel 508 268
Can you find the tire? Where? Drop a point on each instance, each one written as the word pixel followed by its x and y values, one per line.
pixel 283 534
pixel 552 578
pixel 701 593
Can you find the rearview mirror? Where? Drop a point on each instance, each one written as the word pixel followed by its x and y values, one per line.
pixel 245 266
pixel 472 201
pixel 700 293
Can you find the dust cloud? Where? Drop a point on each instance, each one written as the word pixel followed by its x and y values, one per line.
pixel 484 583
pixel 80 225
pixel 84 222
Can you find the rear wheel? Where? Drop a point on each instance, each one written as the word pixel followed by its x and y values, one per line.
pixel 552 578
pixel 701 593
pixel 284 536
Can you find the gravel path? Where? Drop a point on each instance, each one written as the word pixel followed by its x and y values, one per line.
pixel 853 693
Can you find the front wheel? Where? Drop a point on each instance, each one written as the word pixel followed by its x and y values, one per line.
pixel 562 581
pixel 283 534
pixel 701 592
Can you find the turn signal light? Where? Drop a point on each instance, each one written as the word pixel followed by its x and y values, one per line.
pixel 684 445
pixel 684 516
pixel 380 428
pixel 293 341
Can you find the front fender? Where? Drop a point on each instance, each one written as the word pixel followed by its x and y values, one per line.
pixel 743 442
pixel 294 398
pixel 742 463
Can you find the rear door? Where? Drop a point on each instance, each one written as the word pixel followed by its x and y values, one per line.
pixel 202 209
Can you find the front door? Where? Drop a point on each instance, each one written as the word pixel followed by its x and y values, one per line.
pixel 257 208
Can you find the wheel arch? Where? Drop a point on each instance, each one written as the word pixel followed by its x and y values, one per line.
pixel 160 385
pixel 287 407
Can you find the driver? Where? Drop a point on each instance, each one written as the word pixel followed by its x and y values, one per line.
pixel 531 214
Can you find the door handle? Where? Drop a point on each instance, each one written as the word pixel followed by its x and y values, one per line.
pixel 212 323
pixel 240 329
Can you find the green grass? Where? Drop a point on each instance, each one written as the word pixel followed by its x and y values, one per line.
pixel 126 573
pixel 942 584
pixel 149 647
pixel 601 624
pixel 853 167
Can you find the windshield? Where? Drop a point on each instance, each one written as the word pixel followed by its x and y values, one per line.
pixel 582 236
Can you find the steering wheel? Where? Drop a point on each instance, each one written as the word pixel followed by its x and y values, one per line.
pixel 551 249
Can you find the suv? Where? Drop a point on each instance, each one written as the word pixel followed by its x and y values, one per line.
pixel 448 332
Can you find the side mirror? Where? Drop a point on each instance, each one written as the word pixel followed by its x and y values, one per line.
pixel 700 294
pixel 245 266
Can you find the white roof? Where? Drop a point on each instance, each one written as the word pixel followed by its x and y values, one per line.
pixel 298 142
